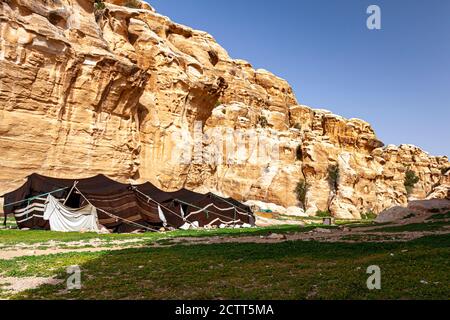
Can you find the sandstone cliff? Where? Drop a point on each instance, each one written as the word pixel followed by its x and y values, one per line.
pixel 87 89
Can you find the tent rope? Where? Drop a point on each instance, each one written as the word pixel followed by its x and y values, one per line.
pixel 34 197
pixel 114 216
pixel 159 204
pixel 231 204
pixel 188 204
pixel 205 210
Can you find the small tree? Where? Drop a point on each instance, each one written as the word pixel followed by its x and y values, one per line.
pixel 99 5
pixel 136 4
pixel 323 214
pixel 299 153
pixel 411 179
pixel 333 177
pixel 300 191
pixel 333 182
pixel 263 122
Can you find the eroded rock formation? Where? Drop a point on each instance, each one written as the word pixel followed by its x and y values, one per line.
pixel 87 89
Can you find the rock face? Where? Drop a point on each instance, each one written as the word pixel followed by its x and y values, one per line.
pixel 416 210
pixel 127 92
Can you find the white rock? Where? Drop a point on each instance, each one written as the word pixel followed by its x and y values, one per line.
pixel 296 212
pixel 185 226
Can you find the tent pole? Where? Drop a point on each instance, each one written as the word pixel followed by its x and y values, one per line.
pixel 70 192
pixel 114 216
pixel 5 216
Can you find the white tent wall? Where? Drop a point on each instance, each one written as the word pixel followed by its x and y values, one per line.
pixel 64 219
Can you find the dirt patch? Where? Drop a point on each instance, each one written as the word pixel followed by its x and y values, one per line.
pixel 19 252
pixel 335 236
pixel 15 285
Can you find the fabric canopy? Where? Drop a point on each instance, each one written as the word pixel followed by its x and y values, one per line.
pixel 64 219
pixel 118 207
pixel 187 207
pixel 122 207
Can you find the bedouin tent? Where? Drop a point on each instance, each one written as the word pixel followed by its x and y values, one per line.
pixel 118 208
pixel 187 207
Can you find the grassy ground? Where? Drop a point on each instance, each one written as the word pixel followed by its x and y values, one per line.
pixel 291 270
pixel 13 237
pixel 440 216
pixel 429 226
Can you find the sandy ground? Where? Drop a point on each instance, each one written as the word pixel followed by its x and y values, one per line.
pixel 15 285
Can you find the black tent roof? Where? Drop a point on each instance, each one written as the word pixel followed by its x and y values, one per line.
pixel 119 199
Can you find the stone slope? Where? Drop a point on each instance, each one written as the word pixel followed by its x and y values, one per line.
pixel 118 90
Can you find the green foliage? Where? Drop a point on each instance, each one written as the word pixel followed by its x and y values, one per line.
pixel 323 214
pixel 333 176
pixel 218 103
pixel 298 126
pixel 99 5
pixel 411 179
pixel 301 191
pixel 299 153
pixel 263 122
pixel 369 215
pixel 441 216
pixel 136 4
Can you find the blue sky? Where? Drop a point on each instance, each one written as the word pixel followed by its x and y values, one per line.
pixel 397 78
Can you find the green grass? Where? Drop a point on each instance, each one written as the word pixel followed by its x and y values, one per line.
pixel 430 226
pixel 289 270
pixel 368 216
pixel 441 216
pixel 10 222
pixel 12 237
pixel 323 214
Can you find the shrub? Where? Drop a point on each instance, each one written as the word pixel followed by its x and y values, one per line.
pixel 99 5
pixel 369 215
pixel 411 179
pixel 298 126
pixel 299 153
pixel 218 103
pixel 323 214
pixel 301 191
pixel 333 176
pixel 136 4
pixel 263 122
